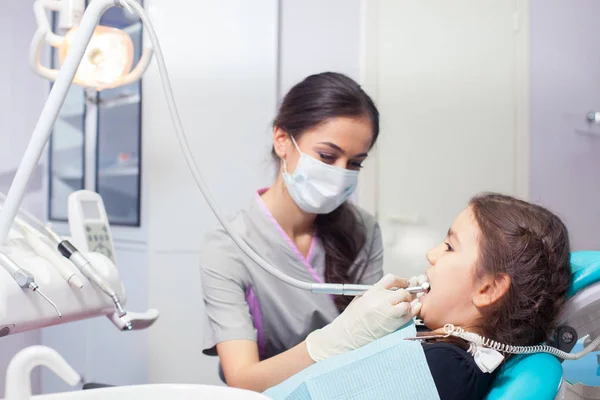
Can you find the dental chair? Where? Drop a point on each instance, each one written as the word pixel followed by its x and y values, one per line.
pixel 540 376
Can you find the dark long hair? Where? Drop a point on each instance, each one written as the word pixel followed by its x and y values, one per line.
pixel 531 245
pixel 313 101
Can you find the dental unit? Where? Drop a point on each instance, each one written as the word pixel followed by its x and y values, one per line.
pixel 54 257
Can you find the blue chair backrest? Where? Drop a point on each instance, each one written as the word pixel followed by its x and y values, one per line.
pixel 538 376
pixel 528 377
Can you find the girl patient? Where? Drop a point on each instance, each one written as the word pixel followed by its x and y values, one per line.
pixel 502 272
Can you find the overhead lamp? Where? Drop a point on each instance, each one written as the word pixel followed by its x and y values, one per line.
pixel 107 59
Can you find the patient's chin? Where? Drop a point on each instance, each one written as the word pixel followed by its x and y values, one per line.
pixel 427 314
pixel 422 315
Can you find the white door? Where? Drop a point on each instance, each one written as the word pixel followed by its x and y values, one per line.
pixel 445 76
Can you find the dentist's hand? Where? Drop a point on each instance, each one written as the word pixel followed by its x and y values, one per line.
pixel 367 318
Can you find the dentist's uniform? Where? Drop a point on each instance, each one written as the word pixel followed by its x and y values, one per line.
pixel 244 302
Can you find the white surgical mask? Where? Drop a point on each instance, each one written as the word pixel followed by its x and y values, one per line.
pixel 316 187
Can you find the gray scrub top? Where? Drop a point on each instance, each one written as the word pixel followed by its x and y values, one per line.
pixel 245 302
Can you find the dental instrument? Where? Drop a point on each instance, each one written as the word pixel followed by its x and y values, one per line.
pixel 70 255
pixel 123 319
pixel 70 252
pixel 64 267
pixel 81 303
pixel 43 250
pixel 358 290
pixel 24 279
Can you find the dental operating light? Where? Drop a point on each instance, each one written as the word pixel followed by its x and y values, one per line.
pixel 78 61
pixel 108 56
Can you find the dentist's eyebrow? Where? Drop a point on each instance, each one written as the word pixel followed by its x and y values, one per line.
pixel 338 148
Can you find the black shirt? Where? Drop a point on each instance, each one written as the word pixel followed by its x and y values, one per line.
pixel 455 373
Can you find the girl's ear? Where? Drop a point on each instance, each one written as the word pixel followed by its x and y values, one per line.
pixel 491 290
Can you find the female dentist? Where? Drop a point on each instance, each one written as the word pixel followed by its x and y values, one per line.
pixel 265 330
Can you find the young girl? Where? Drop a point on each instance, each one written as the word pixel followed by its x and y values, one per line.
pixel 502 272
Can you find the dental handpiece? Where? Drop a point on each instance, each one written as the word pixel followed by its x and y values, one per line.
pixel 24 278
pixel 70 252
pixel 45 251
pixel 65 270
pixel 418 289
pixel 358 290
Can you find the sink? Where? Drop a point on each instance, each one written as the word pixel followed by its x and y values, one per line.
pixel 18 383
pixel 157 392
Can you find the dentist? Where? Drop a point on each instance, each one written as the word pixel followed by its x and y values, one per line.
pixel 263 330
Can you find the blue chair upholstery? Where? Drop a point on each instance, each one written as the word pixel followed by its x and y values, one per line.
pixel 528 377
pixel 585 267
pixel 538 376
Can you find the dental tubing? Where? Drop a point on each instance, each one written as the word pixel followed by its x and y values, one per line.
pixel 328 288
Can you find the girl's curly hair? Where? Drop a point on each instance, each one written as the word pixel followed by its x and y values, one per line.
pixel 531 245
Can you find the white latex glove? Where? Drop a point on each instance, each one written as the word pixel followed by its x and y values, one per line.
pixel 367 318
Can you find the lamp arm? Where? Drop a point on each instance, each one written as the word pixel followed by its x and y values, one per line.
pixel 40 8
pixel 34 57
pixel 140 67
pixel 47 118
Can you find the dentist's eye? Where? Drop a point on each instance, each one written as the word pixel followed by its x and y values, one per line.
pixel 448 246
pixel 355 165
pixel 327 158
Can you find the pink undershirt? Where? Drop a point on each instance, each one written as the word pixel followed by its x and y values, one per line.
pixel 293 247
pixel 251 299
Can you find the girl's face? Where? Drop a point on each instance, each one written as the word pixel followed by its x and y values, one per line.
pixel 455 289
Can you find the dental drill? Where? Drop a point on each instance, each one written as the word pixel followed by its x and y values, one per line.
pixel 125 321
pixel 45 251
pixel 24 279
pixel 70 252
pixel 358 290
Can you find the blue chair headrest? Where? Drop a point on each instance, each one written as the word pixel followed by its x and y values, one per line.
pixel 538 376
pixel 585 267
